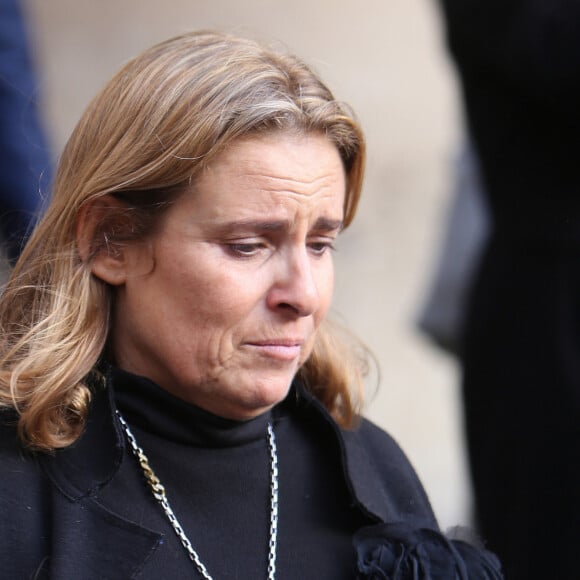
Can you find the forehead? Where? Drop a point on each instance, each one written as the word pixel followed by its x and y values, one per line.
pixel 298 167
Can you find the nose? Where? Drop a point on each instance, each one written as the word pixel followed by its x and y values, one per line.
pixel 295 287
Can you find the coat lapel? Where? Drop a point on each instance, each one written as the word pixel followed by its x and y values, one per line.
pixel 88 540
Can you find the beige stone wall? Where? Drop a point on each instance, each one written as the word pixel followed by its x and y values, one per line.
pixel 387 59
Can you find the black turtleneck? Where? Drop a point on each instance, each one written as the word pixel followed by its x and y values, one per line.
pixel 216 473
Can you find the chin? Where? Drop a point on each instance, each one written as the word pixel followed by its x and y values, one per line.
pixel 264 396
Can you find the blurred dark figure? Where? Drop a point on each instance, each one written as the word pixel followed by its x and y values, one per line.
pixel 24 163
pixel 519 67
pixel 442 315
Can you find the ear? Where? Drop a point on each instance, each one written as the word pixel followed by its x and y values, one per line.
pixel 95 242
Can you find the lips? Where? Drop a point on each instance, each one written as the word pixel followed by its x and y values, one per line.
pixel 282 349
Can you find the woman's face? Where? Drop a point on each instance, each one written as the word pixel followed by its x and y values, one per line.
pixel 222 306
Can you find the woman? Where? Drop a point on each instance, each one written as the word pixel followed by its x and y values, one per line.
pixel 164 327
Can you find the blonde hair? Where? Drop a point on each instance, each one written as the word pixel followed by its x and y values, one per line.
pixel 143 139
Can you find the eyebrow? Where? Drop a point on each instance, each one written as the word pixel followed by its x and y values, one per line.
pixel 322 224
pixel 327 225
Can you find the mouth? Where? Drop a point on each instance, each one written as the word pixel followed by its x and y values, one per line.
pixel 281 349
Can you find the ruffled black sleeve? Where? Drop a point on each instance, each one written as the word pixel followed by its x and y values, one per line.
pixel 398 552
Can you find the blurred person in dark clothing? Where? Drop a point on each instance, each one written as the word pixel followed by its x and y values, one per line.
pixel 519 68
pixel 24 162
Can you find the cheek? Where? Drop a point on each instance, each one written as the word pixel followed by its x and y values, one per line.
pixel 215 300
pixel 325 290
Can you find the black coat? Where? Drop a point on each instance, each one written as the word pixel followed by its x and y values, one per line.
pixel 53 526
pixel 46 503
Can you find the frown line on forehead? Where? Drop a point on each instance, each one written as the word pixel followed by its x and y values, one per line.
pixel 278 179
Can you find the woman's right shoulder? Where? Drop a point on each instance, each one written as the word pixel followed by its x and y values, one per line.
pixel 25 506
pixel 25 489
pixel 18 464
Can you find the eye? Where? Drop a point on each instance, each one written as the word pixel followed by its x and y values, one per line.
pixel 244 249
pixel 320 247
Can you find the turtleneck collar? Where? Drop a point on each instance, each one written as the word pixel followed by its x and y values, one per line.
pixel 146 405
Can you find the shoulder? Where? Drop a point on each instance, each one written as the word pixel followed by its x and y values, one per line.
pixel 15 460
pixel 383 477
pixel 383 447
pixel 379 476
pixel 24 503
pixel 22 476
pixel 408 536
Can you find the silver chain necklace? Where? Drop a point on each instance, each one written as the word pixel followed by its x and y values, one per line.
pixel 159 494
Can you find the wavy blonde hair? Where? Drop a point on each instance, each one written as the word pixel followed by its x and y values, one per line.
pixel 142 140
